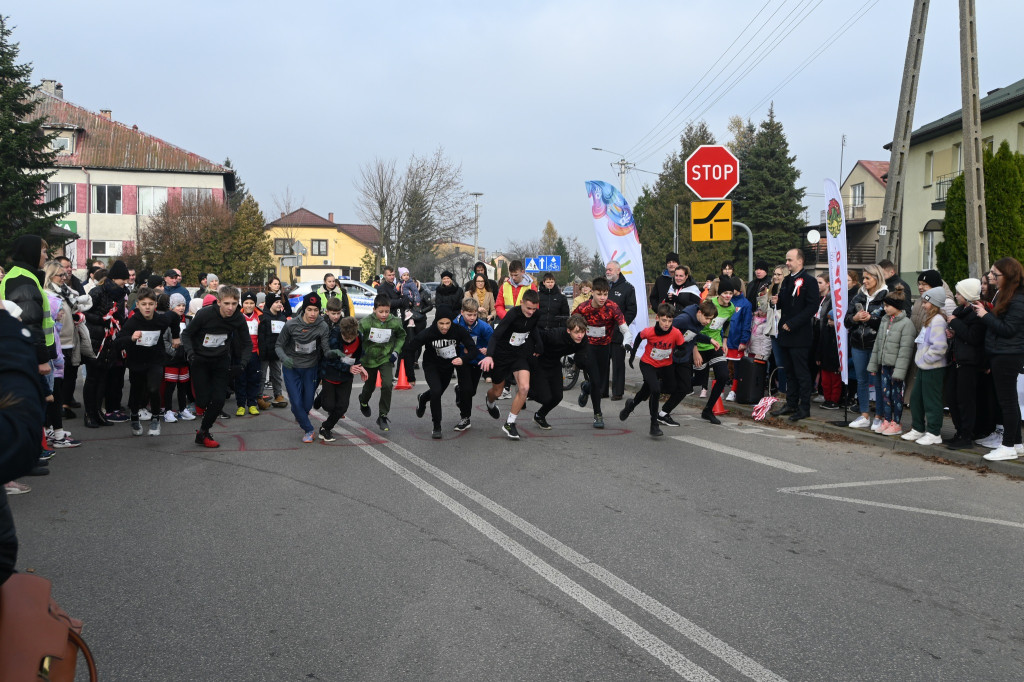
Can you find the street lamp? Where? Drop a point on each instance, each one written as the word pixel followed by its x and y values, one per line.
pixel 476 227
pixel 814 238
pixel 622 164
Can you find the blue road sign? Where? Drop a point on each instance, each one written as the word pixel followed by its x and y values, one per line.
pixel 544 264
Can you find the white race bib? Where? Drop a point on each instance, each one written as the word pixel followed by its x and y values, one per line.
pixel 518 338
pixel 380 335
pixel 717 323
pixel 474 339
pixel 214 340
pixel 661 354
pixel 597 332
pixel 305 348
pixel 276 326
pixel 348 360
pixel 253 325
pixel 689 335
pixel 149 339
pixel 446 352
pixel 183 325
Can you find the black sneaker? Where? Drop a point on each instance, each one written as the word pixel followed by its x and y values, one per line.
pixel 492 410
pixel 710 416
pixel 960 444
pixel 326 435
pixel 364 408
pixel 463 425
pixel 667 420
pixel 626 409
pixel 223 415
pixel 829 405
pixel 46 455
pixel 421 403
pixel 382 422
pixel 510 430
pixel 436 433
pixel 598 421
pixel 117 417
pixel 541 422
pixel 656 431
pixel 584 394
pixel 136 427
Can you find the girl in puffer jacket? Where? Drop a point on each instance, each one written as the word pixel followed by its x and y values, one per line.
pixel 930 358
pixel 890 361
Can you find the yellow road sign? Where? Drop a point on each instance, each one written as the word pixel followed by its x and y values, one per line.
pixel 711 221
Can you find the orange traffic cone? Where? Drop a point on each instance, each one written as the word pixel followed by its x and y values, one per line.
pixel 719 409
pixel 378 379
pixel 403 381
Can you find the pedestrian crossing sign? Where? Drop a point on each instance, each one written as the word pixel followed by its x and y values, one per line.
pixel 544 264
pixel 531 265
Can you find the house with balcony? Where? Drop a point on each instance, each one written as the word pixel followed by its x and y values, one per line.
pixel 330 247
pixel 113 176
pixel 936 158
pixel 863 194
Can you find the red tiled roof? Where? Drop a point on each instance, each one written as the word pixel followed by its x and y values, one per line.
pixel 102 143
pixel 878 169
pixel 366 234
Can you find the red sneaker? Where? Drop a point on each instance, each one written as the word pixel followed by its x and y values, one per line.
pixel 206 440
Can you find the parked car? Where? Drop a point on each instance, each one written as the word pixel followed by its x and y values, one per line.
pixel 431 287
pixel 362 295
pixel 567 291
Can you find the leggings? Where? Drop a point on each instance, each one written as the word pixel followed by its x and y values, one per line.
pixel 657 380
pixel 210 383
pixel 714 361
pixel 55 410
pixel 892 396
pixel 1005 370
pixel 439 376
pixel 92 389
pixel 70 378
pixel 546 387
pixel 145 388
pixel 597 373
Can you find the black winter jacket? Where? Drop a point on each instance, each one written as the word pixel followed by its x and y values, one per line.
pixel 862 334
pixel 554 308
pixel 1004 334
pixel 105 298
pixel 623 295
pixel 798 302
pixel 968 342
pixel 450 296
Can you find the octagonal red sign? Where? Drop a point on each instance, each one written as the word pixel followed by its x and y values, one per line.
pixel 712 172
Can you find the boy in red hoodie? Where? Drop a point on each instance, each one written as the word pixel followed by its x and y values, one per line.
pixel 247 385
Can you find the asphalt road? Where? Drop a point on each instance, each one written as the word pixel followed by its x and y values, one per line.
pixel 718 552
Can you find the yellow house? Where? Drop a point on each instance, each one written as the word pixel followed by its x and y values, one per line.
pixel 330 247
pixel 936 158
pixel 863 194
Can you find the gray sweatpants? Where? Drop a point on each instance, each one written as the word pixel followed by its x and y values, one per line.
pixel 276 378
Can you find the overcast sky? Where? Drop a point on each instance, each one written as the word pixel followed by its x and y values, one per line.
pixel 301 94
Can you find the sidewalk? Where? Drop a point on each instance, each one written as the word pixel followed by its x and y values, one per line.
pixel 821 421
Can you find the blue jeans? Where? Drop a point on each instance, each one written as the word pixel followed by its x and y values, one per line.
pixel 865 381
pixel 301 385
pixel 780 372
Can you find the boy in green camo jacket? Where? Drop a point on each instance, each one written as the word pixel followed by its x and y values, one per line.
pixel 383 338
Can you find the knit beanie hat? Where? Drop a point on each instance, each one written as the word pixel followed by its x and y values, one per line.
pixel 931 277
pixel 270 300
pixel 118 270
pixel 403 271
pixel 176 300
pixel 209 299
pixel 970 289
pixel 310 300
pixel 447 273
pixel 249 296
pixel 154 281
pixel 936 296
pixel 443 312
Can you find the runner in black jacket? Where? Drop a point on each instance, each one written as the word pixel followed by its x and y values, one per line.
pixel 447 348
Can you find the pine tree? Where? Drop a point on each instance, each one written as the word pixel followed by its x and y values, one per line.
pixel 547 239
pixel 239 194
pixel 744 135
pixel 251 246
pixel 1004 214
pixel 26 159
pixel 771 201
pixel 596 266
pixel 568 272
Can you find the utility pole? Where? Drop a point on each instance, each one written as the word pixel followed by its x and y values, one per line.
pixel 974 176
pixel 623 167
pixel 476 225
pixel 890 226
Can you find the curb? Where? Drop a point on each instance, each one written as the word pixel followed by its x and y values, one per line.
pixel 941 455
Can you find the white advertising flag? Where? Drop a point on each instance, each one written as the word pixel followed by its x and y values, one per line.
pixel 835 226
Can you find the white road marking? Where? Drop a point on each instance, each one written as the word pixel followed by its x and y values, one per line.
pixel 765 431
pixel 574 406
pixel 743 454
pixel 679 664
pixel 680 624
pixel 804 490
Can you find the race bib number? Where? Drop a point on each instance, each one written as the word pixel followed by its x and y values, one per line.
pixel 276 326
pixel 214 340
pixel 518 338
pixel 717 323
pixel 149 339
pixel 446 352
pixel 254 326
pixel 182 326
pixel 380 335
pixel 597 332
pixel 305 348
pixel 689 335
pixel 660 354
pixel 348 360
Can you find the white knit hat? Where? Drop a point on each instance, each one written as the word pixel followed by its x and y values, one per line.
pixel 970 289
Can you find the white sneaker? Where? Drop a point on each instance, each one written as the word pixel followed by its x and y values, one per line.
pixel 186 415
pixel 819 399
pixel 145 415
pixel 992 440
pixel 169 417
pixel 876 425
pixel 704 393
pixel 860 422
pixel 913 435
pixel 1003 452
pixel 505 394
pixel 929 439
pixel 731 397
pixel 1019 447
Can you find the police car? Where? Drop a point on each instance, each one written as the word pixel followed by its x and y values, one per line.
pixel 360 294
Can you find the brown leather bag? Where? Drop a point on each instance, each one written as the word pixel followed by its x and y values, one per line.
pixel 38 640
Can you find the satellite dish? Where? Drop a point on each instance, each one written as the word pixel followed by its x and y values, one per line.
pixel 813 236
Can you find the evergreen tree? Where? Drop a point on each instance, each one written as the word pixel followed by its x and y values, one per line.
pixel 744 135
pixel 1004 214
pixel 236 197
pixel 251 246
pixel 654 210
pixel 596 266
pixel 770 200
pixel 568 272
pixel 26 159
pixel 548 238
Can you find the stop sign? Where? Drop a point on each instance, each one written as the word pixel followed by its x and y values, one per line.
pixel 712 172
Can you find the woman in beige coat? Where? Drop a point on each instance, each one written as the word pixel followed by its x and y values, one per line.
pixel 484 297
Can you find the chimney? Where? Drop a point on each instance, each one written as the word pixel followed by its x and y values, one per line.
pixel 330 217
pixel 107 114
pixel 52 87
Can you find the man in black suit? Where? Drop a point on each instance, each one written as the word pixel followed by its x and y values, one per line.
pixel 797 301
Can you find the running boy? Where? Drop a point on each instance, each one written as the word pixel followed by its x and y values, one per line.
pixel 546 370
pixel 508 352
pixel 481 333
pixel 440 342
pixel 300 345
pixel 271 324
pixel 690 322
pixel 603 317
pixel 340 363
pixel 248 385
pixel 656 362
pixel 140 338
pixel 709 357
pixel 383 339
